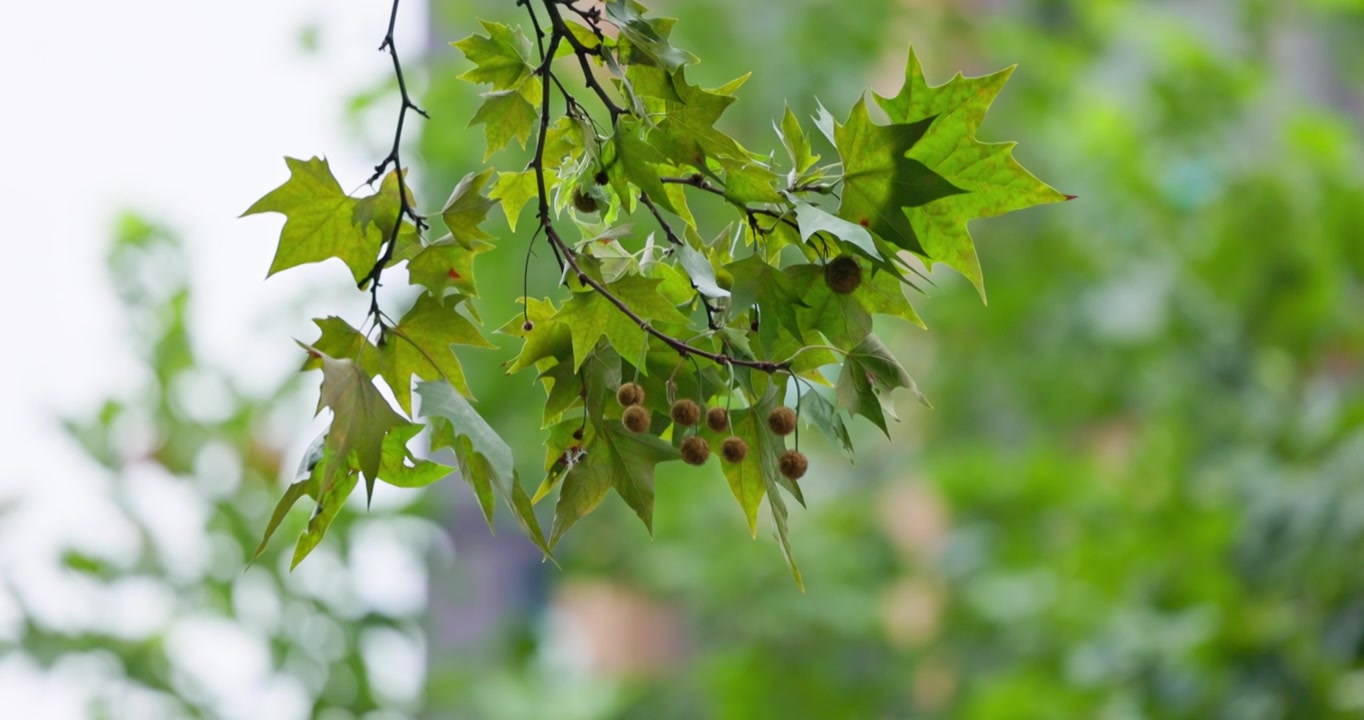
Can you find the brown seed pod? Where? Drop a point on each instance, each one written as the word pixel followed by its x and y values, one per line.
pixel 527 326
pixel 782 420
pixel 686 412
pixel 636 419
pixel 578 434
pixel 793 464
pixel 584 202
pixel 695 450
pixel 843 274
pixel 630 394
pixel 601 178
pixel 717 419
pixel 734 449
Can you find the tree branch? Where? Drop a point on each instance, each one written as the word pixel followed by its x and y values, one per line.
pixel 560 33
pixel 405 209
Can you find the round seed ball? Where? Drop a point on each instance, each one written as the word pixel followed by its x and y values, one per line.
pixel 734 449
pixel 636 419
pixel 793 464
pixel 695 450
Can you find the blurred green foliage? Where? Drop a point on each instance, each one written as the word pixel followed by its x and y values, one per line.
pixel 189 462
pixel 1140 495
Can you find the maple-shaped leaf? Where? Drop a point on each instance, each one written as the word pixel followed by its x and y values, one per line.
pixel 514 190
pixel 882 292
pixel 545 339
pixel 842 319
pixel 307 486
pixel 748 478
pixel 777 504
pixel 421 343
pixel 991 180
pixel 813 220
pixel 797 146
pixel 506 115
pixel 400 469
pixel 361 417
pixel 685 130
pixel 629 159
pixel 331 497
pixel 880 179
pixel 467 208
pixel 870 374
pixel 485 460
pixel 819 412
pixel 320 221
pixel 340 340
pixel 447 264
pixel 590 315
pixel 381 209
pixel 648 36
pixel 503 56
pixel 756 282
pixel 619 460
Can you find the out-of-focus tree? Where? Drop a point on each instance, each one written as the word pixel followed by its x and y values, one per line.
pixel 159 611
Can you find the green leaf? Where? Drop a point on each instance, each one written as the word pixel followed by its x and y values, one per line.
pixel 381 209
pixel 879 179
pixel 546 338
pixel 340 340
pixel 644 34
pixel 702 274
pixel 421 345
pixel 294 493
pixel 841 318
pixel 506 115
pixel 685 132
pixel 815 220
pixel 467 208
pixel 320 221
pixel 819 412
pixel 883 293
pixel 758 283
pixel 361 417
pixel 485 460
pixel 748 479
pixel 394 468
pixel 328 506
pixel 797 145
pixel 503 56
pixel 779 516
pixel 619 460
pixel 629 159
pixel 590 315
pixel 447 264
pixel 993 182
pixel 870 374
pixel 514 190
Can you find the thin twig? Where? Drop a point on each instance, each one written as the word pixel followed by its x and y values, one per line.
pixel 405 209
pixel 559 33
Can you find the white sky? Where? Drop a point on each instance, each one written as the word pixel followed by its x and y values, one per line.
pixel 181 111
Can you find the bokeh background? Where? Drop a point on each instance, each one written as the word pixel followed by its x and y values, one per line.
pixel 1140 495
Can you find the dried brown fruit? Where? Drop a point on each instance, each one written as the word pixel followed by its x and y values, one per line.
pixel 685 413
pixel 630 394
pixel 636 419
pixel 734 449
pixel 584 202
pixel 843 274
pixel 717 419
pixel 695 450
pixel 793 464
pixel 782 420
